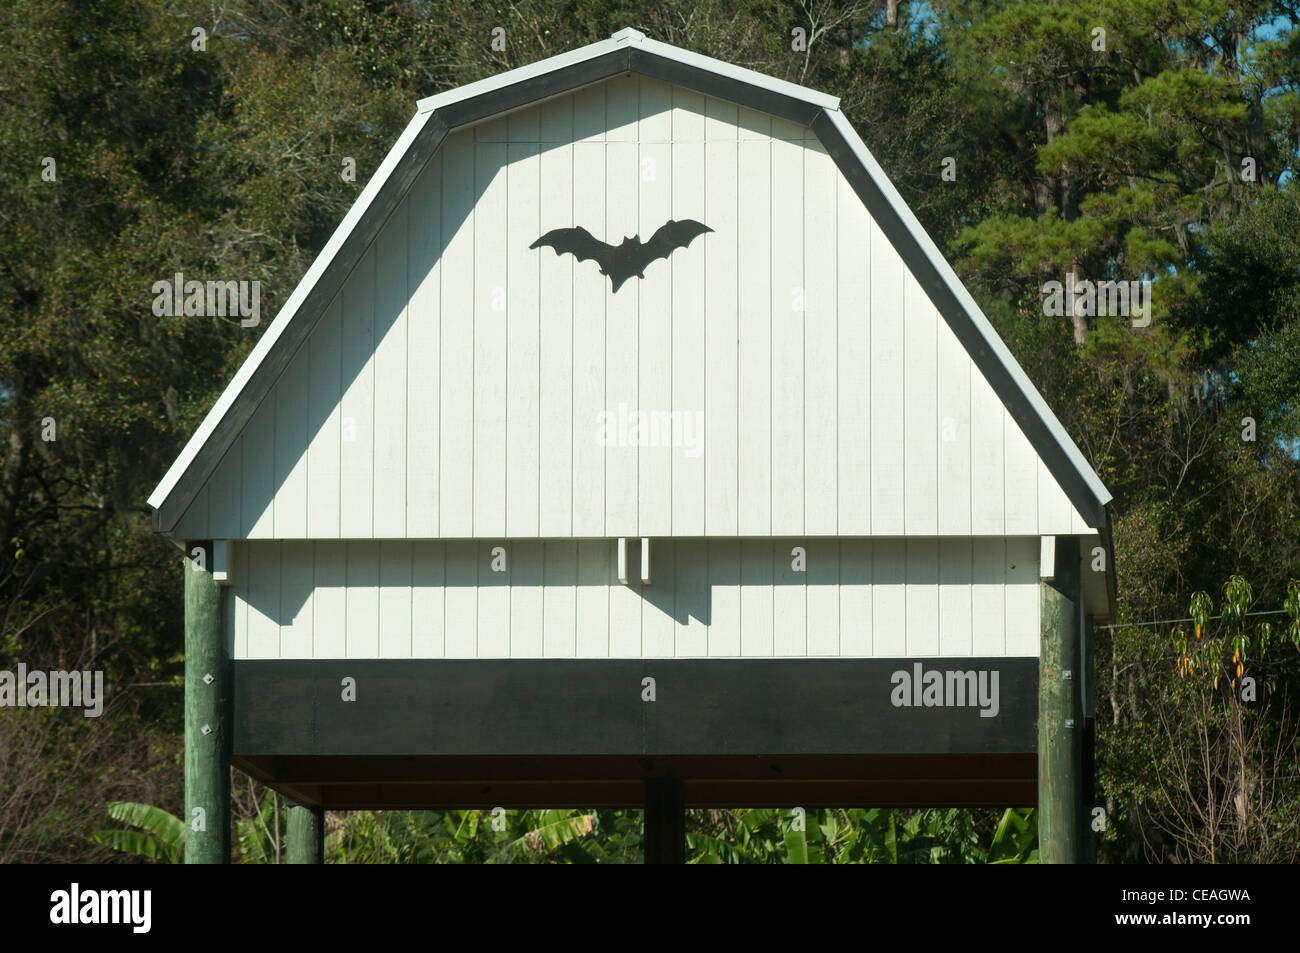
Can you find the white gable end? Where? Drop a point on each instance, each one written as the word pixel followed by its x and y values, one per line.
pixel 784 374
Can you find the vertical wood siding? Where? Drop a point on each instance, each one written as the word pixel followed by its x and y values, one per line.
pixel 560 598
pixel 454 387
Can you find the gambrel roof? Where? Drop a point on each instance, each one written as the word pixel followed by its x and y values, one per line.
pixel 628 51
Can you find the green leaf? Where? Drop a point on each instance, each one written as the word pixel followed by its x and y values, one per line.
pixel 168 828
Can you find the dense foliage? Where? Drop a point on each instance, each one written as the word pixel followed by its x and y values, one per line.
pixel 1164 148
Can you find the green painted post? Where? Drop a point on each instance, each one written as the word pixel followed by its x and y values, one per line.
pixel 207 715
pixel 306 835
pixel 1088 752
pixel 1060 725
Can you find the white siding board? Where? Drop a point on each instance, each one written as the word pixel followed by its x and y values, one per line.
pixel 655 301
pixel 724 598
pixel 357 436
pixel 757 606
pixel 691 591
pixel 753 339
pixel 920 423
pixel 622 111
pixel 955 607
pixel 396 587
pixel 855 596
pixel 658 602
pixel 1022 599
pixel 555 122
pixel 1054 510
pixel 257 483
pixel 987 483
pixel 922 609
pixel 590 298
pixel 622 181
pixel 524 125
pixel 887 388
pixel 988 596
pixel 363 599
pixel 687 116
pixel 821 337
pixel 954 447
pixel 823 610
pixel 325 414
pixel 523 341
pixel 788 308
pixel 589 114
pixel 655 119
pixel 720 119
pixel 560 599
pixel 625 610
pixel 391 396
pixel 557 315
pixel 329 599
pixel 456 349
pixel 853 353
pixel 1021 480
pixel 889 597
pixel 490 356
pixel 494 600
pixel 526 599
pixel 264 585
pixel 723 295
pixel 790 594
pixel 423 357
pixel 461 599
pixel 297 587
pixel 428 599
pixel 595 579
pixel 687 331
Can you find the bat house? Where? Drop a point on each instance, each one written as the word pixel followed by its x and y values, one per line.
pixel 631 439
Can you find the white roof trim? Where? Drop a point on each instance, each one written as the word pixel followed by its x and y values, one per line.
pixel 519 75
pixel 968 304
pixel 621 40
pixel 276 328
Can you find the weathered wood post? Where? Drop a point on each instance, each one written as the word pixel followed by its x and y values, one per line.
pixel 207 715
pixel 665 821
pixel 1088 758
pixel 306 835
pixel 1060 727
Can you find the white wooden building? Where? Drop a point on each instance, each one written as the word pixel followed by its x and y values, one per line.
pixel 471 475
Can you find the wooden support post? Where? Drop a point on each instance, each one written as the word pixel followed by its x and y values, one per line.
pixel 1088 759
pixel 207 715
pixel 665 821
pixel 1060 725
pixel 306 835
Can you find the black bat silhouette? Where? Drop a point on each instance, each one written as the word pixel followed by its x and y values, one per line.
pixel 621 262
